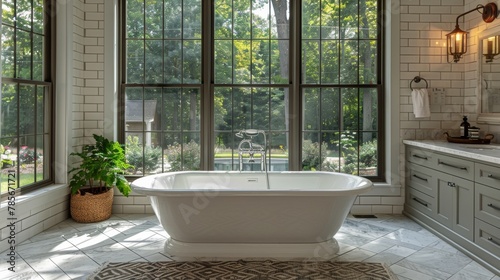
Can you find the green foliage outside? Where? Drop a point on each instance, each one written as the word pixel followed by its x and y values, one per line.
pixel 251 46
pixel 145 160
pixel 184 157
pixel 4 160
pixel 29 155
pixel 367 156
pixel 314 157
pixel 24 101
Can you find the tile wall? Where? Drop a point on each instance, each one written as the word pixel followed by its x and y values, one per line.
pixel 424 25
pixel 88 83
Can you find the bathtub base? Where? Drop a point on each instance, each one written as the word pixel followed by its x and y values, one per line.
pixel 322 250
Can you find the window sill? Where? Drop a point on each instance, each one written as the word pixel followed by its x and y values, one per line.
pixel 40 196
pixel 384 189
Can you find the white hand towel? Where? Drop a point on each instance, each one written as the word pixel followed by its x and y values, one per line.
pixel 420 99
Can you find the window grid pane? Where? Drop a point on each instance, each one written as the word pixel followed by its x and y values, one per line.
pixel 340 87
pixel 162 131
pixel 25 122
pixel 163 42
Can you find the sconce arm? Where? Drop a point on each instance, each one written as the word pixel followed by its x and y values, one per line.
pixel 490 12
pixel 476 9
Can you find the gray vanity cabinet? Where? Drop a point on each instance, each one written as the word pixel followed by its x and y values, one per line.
pixel 458 198
pixel 440 186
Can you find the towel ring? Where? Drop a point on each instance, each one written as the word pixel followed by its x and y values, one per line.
pixel 417 79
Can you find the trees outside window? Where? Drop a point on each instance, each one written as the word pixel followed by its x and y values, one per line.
pixel 26 93
pixel 242 63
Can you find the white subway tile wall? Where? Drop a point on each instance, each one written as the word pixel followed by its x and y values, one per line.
pixel 33 214
pixel 423 53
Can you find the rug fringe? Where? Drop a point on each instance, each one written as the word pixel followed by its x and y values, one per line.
pixel 97 271
pixel 389 271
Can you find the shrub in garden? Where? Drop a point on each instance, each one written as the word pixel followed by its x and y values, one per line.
pixel 28 155
pixel 147 162
pixel 184 157
pixel 367 154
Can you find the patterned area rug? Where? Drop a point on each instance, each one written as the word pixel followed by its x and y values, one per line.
pixel 245 270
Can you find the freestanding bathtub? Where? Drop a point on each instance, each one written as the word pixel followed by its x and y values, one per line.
pixel 235 214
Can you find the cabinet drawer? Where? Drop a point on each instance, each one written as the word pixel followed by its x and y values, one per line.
pixel 488 175
pixel 487 236
pixel 455 166
pixel 422 179
pixel 420 156
pixel 487 204
pixel 420 201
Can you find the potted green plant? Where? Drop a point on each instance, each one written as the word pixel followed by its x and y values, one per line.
pixel 102 167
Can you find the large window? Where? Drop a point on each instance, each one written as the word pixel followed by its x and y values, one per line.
pixel 341 85
pixel 26 94
pixel 306 72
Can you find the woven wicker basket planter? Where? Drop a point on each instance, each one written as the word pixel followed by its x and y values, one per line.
pixel 91 208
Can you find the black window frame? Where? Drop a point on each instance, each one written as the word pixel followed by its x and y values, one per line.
pixel 48 81
pixel 295 84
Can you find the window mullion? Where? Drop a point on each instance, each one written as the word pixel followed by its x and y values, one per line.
pixel 207 135
pixel 295 88
pixel 15 40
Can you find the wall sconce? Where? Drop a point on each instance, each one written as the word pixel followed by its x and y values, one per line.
pixel 456 40
pixel 491 48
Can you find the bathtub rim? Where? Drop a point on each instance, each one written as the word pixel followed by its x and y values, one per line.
pixel 363 186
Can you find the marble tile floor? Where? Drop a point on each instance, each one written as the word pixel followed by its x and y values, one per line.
pixel 71 250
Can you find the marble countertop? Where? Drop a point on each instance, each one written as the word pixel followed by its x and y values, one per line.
pixel 489 153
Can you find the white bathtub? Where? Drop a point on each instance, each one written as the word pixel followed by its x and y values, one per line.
pixel 234 214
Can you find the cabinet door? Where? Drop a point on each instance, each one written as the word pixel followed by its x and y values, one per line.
pixel 444 206
pixel 455 204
